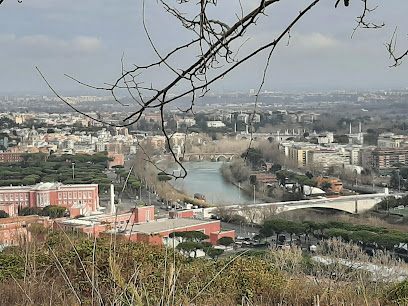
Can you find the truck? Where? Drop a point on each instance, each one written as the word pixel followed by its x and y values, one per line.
pixel 199 196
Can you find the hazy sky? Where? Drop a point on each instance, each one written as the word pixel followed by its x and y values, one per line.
pixel 86 39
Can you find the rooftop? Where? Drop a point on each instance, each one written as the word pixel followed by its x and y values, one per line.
pixel 46 186
pixel 163 225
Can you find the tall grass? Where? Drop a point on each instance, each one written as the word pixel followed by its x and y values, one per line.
pixel 71 269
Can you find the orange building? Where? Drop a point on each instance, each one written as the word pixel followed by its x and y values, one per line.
pixel 336 184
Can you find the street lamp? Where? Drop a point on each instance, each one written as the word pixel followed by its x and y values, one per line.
pixel 73 171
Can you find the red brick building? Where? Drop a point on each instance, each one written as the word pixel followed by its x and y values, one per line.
pixel 13 231
pixel 78 199
pixel 158 231
pixel 139 225
pixel 10 157
pixel 118 159
pixel 94 225
pixel 188 213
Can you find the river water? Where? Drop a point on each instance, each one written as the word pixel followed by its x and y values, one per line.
pixel 205 178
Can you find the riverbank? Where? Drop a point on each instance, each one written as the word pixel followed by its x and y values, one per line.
pixel 173 195
pixel 204 177
pixel 231 175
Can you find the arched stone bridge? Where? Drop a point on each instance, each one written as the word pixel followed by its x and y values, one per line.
pixel 209 157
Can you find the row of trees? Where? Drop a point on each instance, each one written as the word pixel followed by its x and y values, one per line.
pixel 36 168
pixel 192 241
pixel 51 210
pixel 364 235
pixel 3 214
pixel 392 202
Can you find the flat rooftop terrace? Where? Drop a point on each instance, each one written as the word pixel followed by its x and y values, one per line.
pixel 163 225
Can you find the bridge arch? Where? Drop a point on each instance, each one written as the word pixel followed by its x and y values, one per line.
pixel 222 158
pixel 206 157
pixel 194 157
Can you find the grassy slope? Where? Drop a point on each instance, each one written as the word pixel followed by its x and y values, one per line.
pixel 51 272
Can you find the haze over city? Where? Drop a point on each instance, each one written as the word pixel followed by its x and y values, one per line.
pixel 86 39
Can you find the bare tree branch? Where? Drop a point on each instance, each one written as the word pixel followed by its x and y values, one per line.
pixel 362 22
pixel 391 47
pixel 213 44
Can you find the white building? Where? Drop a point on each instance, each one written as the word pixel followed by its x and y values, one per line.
pixel 215 124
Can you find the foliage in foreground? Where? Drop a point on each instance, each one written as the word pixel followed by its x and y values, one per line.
pixel 68 270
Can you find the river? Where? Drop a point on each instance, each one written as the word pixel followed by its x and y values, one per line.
pixel 205 178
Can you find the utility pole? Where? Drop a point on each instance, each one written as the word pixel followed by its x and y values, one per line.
pixel 73 171
pixel 254 194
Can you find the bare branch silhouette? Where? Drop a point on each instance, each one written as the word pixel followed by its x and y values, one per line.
pixel 212 50
pixel 362 22
pixel 391 48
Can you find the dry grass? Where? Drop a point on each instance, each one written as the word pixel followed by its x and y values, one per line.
pixel 75 270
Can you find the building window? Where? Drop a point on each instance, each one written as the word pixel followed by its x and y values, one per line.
pixel 75 195
pixel 5 197
pixel 85 197
pixel 11 197
pixel 1 197
pixel 69 195
pixel 79 195
pixel 26 197
pixel 65 195
pixel 21 197
pixel 59 195
pixel 90 194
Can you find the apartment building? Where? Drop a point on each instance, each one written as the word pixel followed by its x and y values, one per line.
pixel 387 158
pixel 327 158
pixel 298 153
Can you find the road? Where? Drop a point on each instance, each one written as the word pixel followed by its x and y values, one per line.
pixel 128 200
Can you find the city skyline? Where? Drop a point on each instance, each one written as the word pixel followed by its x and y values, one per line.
pixel 87 40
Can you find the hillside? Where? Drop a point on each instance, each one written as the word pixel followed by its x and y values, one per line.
pixel 63 269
